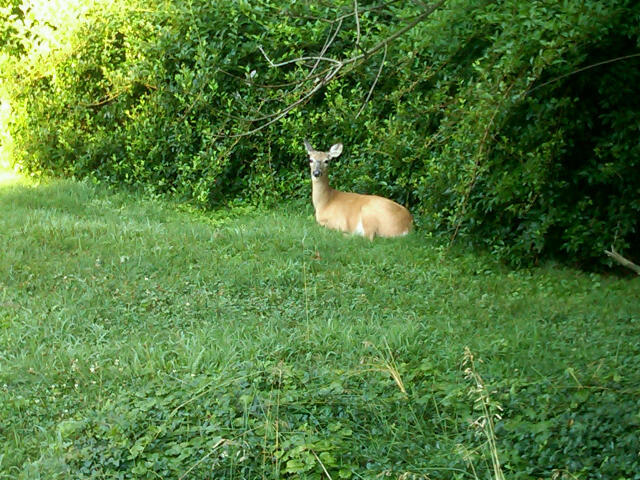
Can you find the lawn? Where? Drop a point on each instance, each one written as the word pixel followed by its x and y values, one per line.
pixel 139 339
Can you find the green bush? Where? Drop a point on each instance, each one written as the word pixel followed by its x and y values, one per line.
pixel 510 123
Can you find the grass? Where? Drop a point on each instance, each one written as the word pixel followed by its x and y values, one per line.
pixel 141 341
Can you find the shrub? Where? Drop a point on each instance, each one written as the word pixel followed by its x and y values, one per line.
pixel 514 124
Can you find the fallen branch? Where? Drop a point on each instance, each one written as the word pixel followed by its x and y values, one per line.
pixel 622 261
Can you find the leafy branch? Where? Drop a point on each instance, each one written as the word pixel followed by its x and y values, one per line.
pixel 335 66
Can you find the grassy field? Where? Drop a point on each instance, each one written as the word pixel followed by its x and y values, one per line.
pixel 141 341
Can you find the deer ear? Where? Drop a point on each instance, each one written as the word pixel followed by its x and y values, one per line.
pixel 308 146
pixel 335 150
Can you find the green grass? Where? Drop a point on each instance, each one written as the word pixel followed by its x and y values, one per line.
pixel 141 341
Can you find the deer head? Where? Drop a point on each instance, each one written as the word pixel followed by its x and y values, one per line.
pixel 319 161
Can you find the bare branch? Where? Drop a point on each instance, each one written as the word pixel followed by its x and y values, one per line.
pixel 273 86
pixel 397 34
pixel 322 79
pixel 298 60
pixel 357 17
pixel 327 44
pixel 347 15
pixel 622 261
pixel 420 4
pixel 322 465
pixel 579 70
pixel 293 105
pixel 476 165
pixel 317 78
pixel 373 85
pixel 312 75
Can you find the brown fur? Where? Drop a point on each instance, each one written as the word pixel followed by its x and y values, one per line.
pixel 367 215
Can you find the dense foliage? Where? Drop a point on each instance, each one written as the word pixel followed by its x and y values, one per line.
pixel 274 421
pixel 514 123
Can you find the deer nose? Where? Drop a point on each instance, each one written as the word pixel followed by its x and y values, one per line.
pixel 317 173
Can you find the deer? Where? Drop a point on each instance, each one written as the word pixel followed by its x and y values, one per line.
pixel 355 213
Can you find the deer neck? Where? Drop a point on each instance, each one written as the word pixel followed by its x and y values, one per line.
pixel 321 192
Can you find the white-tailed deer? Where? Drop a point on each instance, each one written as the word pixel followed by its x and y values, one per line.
pixel 367 215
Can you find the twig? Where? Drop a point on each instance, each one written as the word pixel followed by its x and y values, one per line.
pixel 476 166
pixel 420 4
pixel 347 15
pixel 317 78
pixel 356 16
pixel 622 261
pixel 211 452
pixel 293 105
pixel 273 86
pixel 397 34
pixel 113 96
pixel 325 47
pixel 298 60
pixel 338 65
pixel 373 85
pixel 322 465
pixel 579 70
